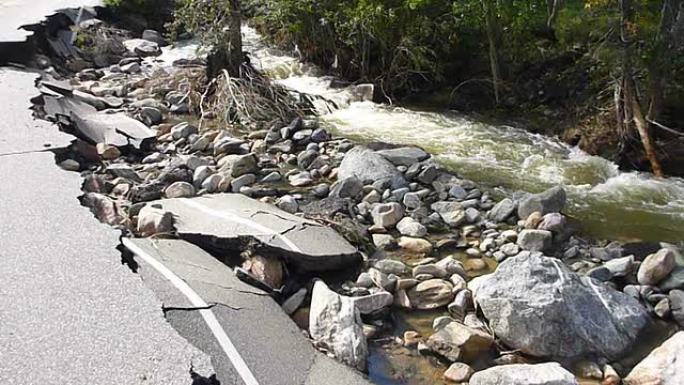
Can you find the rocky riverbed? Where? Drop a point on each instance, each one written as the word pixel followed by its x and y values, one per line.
pixel 445 283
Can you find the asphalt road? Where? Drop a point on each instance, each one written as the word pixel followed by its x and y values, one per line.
pixel 70 312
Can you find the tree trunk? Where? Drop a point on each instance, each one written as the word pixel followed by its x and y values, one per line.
pixel 493 38
pixel 630 100
pixel 553 8
pixel 228 55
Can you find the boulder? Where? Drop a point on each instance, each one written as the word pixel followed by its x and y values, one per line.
pixel 107 151
pixel 239 165
pixel 430 269
pixel 524 374
pixel 673 281
pixel 152 220
pixel 267 270
pixel 415 245
pixel 452 213
pixel 180 190
pixel 664 366
pixel 335 324
pixel 412 228
pixel 404 156
pixel 502 210
pixel 154 36
pixel 431 294
pixel 369 166
pixel 301 179
pixel 182 130
pixel 458 342
pixel 549 201
pixel 554 222
pixel 390 266
pixel 677 306
pixel 535 240
pixel 347 188
pixel 458 372
pixel 656 267
pixel 387 215
pixel 537 305
pixel 372 303
pixel 384 241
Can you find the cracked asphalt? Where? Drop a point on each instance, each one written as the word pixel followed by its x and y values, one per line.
pixel 70 312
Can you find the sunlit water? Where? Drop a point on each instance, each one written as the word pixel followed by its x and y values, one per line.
pixel 609 203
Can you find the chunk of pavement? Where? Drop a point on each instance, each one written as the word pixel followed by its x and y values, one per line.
pixel 225 219
pixel 452 213
pixel 115 129
pixel 412 228
pixel 239 308
pixel 458 342
pixel 664 365
pixel 549 201
pixel 539 306
pixel 656 267
pixel 154 220
pixel 386 215
pixel 369 166
pixel 535 240
pixel 550 373
pixel 431 294
pixel 404 156
pixel 335 323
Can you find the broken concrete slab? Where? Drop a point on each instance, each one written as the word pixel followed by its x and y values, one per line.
pixel 265 339
pixel 225 220
pixel 62 105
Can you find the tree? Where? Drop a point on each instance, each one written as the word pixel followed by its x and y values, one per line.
pixel 493 36
pixel 553 8
pixel 630 110
pixel 217 23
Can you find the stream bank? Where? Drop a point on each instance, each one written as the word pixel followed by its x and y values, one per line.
pixel 426 229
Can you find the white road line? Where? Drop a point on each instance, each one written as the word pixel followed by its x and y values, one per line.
pixel 243 221
pixel 224 341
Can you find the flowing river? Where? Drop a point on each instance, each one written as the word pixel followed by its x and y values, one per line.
pixel 608 203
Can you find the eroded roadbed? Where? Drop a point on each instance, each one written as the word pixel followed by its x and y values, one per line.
pixel 249 337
